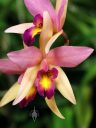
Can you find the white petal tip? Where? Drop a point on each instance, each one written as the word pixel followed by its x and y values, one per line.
pixel 52 105
pixel 13 103
pixel 74 102
pixel 6 31
pixel 19 29
pixel 62 117
pixel 16 101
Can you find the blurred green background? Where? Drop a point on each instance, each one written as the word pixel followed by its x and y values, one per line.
pixel 81 29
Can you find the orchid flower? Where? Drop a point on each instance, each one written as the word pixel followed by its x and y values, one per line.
pixel 37 9
pixel 40 72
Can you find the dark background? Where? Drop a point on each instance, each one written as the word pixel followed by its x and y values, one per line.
pixel 81 29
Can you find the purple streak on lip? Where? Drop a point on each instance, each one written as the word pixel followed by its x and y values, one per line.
pixel 51 91
pixel 27 37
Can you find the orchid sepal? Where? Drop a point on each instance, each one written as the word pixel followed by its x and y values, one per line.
pixel 10 95
pixel 20 28
pixel 28 78
pixel 52 105
pixel 64 87
pixel 68 56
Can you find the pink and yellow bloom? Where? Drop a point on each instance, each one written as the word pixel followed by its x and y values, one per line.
pixel 39 69
pixel 37 9
pixel 41 73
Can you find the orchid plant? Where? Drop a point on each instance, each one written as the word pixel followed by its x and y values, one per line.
pixel 39 68
pixel 30 30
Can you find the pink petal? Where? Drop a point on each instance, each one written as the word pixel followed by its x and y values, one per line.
pixel 44 65
pixel 9 67
pixel 27 57
pixel 39 6
pixel 61 8
pixel 68 56
pixel 20 28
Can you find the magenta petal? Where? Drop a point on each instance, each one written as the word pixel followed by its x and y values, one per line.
pixel 68 56
pixel 8 67
pixel 40 74
pixel 61 10
pixel 45 93
pixel 39 6
pixel 38 21
pixel 27 57
pixel 27 37
pixel 50 93
pixel 54 72
pixel 40 90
